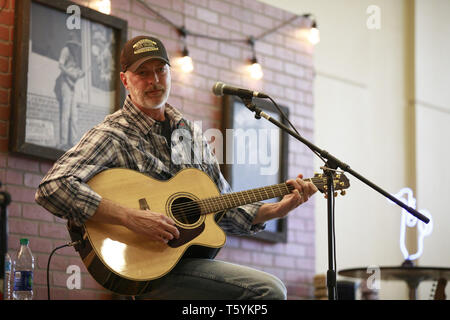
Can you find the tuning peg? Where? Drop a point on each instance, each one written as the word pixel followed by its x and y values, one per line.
pixel 343 193
pixel 325 196
pixel 335 194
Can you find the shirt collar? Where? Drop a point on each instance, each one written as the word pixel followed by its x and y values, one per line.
pixel 144 122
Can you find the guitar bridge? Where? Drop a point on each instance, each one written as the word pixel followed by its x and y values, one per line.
pixel 143 205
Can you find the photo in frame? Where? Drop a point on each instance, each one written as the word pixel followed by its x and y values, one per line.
pixel 257 156
pixel 66 74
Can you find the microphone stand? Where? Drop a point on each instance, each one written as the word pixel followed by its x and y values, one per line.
pixel 330 168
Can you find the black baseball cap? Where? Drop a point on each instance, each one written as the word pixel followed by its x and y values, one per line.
pixel 141 49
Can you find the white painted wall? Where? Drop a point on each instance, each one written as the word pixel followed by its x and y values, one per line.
pixel 382 106
pixel 432 105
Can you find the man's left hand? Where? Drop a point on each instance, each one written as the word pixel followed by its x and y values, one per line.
pixel 302 192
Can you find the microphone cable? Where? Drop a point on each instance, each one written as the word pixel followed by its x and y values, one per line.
pixel 288 121
pixel 70 244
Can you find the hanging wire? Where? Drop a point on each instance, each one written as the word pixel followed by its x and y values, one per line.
pixel 262 35
pixel 251 42
pixel 182 32
pixel 293 127
pixel 156 13
pixel 182 29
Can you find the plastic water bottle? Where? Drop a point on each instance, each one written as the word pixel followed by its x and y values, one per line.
pixel 23 267
pixel 7 284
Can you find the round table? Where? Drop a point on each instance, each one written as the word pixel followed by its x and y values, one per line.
pixel 410 274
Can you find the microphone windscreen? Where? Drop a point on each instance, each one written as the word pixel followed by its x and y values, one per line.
pixel 218 88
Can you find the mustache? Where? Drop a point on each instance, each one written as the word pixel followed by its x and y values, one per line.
pixel 155 87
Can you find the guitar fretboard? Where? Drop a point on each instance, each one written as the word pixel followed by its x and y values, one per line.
pixel 236 199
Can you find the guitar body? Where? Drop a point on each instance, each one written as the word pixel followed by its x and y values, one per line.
pixel 125 262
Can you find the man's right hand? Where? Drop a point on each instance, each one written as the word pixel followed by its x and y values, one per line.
pixel 155 226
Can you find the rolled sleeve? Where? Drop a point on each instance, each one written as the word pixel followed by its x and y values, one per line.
pixel 64 191
pixel 68 199
pixel 239 221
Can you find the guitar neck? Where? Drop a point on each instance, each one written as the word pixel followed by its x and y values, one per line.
pixel 236 199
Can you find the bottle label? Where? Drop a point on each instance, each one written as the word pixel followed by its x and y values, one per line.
pixel 23 280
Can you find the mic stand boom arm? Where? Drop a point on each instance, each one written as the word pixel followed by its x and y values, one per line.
pixel 333 162
pixel 331 165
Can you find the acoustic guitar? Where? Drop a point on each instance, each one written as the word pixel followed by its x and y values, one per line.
pixel 125 262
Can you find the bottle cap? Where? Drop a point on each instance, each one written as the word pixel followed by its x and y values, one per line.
pixel 24 241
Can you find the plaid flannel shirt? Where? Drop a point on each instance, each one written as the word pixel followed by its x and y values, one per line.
pixel 130 139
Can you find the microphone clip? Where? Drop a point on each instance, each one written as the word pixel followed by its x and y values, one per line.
pixel 248 102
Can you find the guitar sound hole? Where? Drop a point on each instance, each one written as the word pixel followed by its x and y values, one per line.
pixel 185 210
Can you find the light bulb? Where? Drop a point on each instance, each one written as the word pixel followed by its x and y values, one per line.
pixel 314 34
pixel 255 70
pixel 103 6
pixel 186 64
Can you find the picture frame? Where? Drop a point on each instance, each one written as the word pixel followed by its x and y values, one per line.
pixel 271 162
pixel 66 75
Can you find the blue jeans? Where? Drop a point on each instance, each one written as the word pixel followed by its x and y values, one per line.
pixel 215 280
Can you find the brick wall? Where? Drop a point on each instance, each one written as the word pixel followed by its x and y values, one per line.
pixel 288 76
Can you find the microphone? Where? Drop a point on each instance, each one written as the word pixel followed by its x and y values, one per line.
pixel 220 88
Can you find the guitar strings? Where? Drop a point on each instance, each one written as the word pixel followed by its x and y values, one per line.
pixel 243 194
pixel 216 201
pixel 259 191
pixel 192 208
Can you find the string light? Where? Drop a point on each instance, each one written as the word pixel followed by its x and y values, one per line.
pixel 314 34
pixel 185 62
pixel 104 6
pixel 255 69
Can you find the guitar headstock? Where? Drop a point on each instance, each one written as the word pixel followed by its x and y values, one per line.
pixel 340 182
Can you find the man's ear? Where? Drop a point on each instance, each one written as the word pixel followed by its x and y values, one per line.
pixel 124 79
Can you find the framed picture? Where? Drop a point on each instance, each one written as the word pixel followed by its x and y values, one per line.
pixel 257 156
pixel 66 74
